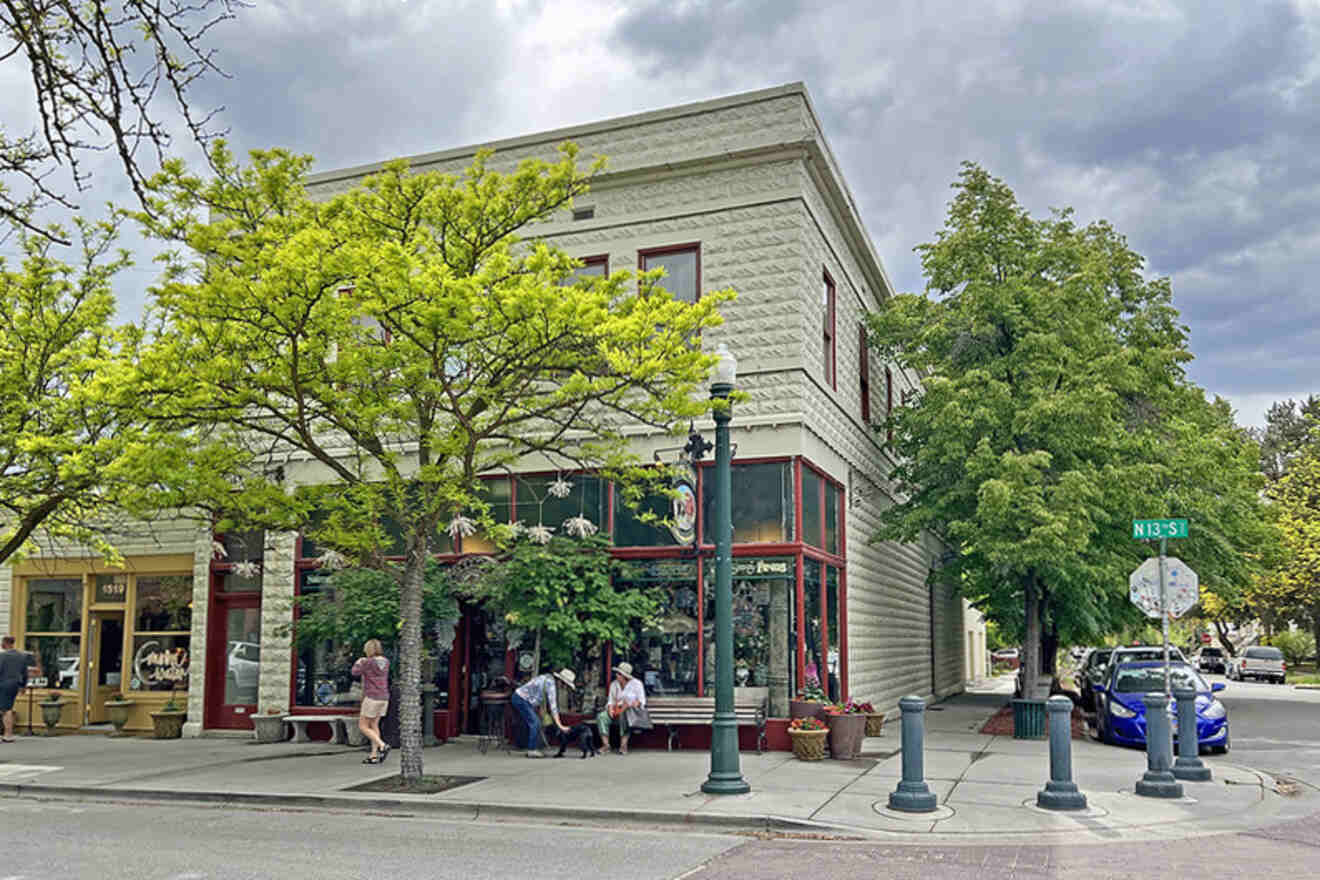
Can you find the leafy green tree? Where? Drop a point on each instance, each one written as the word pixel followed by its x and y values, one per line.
pixel 1054 410
pixel 401 340
pixel 62 439
pixel 1295 585
pixel 1287 426
pixel 565 592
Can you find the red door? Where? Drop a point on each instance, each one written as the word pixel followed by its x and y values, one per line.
pixel 233 660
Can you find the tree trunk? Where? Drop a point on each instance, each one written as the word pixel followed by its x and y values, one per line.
pixel 1031 636
pixel 1222 629
pixel 410 657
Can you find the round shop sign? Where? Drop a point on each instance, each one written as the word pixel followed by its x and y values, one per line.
pixel 683 524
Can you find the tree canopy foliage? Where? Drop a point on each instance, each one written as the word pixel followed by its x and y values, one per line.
pixel 1293 589
pixel 396 341
pixel 1054 410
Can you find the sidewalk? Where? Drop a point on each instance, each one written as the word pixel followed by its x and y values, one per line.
pixel 986 785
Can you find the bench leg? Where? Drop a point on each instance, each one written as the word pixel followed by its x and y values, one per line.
pixel 673 735
pixel 338 732
pixel 300 732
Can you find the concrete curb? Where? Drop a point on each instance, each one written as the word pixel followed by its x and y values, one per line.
pixel 1306 687
pixel 462 810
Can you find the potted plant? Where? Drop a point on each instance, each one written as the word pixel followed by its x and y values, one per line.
pixel 51 707
pixel 167 722
pixel 269 727
pixel 875 721
pixel 847 723
pixel 808 735
pixel 810 701
pixel 118 708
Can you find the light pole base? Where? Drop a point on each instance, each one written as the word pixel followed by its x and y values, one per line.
pixel 718 783
pixel 1060 796
pixel 913 797
pixel 1159 784
pixel 1191 771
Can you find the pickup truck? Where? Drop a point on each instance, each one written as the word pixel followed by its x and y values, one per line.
pixel 1259 661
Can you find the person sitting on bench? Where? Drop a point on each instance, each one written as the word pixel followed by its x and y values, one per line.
pixel 626 693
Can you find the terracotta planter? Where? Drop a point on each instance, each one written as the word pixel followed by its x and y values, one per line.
pixel 804 709
pixel 875 723
pixel 118 711
pixel 168 725
pixel 808 745
pixel 268 728
pixel 50 714
pixel 846 732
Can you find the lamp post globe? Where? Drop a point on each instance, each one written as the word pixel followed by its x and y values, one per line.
pixel 725 775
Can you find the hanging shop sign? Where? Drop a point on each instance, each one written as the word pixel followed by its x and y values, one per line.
pixel 683 515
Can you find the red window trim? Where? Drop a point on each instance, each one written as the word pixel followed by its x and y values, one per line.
pixel 694 246
pixel 830 342
pixel 597 260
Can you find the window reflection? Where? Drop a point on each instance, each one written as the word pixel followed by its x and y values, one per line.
pixel 664 653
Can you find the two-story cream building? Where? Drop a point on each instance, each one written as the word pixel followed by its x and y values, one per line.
pixel 739 192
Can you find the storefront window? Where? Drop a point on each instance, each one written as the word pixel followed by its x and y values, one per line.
pixel 323 677
pixel 812 515
pixel 537 504
pixel 832 495
pixel 498 493
pixel 811 577
pixel 762 502
pixel 58 656
pixel 832 622
pixel 631 531
pixel 161 633
pixel 54 605
pixel 664 653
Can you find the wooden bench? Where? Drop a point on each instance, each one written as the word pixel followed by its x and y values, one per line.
pixel 343 728
pixel 676 712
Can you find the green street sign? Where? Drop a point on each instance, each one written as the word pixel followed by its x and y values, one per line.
pixel 1159 528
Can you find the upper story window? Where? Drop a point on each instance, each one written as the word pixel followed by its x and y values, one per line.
pixel 864 372
pixel 828 301
pixel 682 265
pixel 592 267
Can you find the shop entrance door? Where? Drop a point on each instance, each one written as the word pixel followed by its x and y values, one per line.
pixel 105 663
pixel 233 662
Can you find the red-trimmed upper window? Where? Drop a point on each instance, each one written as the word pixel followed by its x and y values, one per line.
pixel 682 265
pixel 592 267
pixel 828 301
pixel 864 373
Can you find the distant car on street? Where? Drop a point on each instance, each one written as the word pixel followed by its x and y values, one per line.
pixel 1121 713
pixel 1008 656
pixel 1210 659
pixel 1260 662
pixel 1092 673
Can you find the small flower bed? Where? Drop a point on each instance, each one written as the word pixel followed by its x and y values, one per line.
pixel 852 707
pixel 811 691
pixel 807 724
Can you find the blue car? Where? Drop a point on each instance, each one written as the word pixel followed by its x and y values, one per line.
pixel 1121 715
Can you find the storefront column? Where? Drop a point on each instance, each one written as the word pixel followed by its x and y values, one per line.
pixel 201 603
pixel 275 676
pixel 782 654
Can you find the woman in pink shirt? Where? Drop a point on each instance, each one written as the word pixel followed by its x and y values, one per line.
pixel 374 670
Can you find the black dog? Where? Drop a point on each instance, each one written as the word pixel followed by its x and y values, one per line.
pixel 582 735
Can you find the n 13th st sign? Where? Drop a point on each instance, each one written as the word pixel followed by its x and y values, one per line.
pixel 1145 529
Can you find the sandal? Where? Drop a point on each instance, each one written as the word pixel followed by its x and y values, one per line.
pixel 371 759
pixel 384 753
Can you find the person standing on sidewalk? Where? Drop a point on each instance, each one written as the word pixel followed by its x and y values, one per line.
pixel 626 693
pixel 527 702
pixel 374 670
pixel 13 677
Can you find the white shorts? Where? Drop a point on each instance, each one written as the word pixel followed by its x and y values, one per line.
pixel 374 708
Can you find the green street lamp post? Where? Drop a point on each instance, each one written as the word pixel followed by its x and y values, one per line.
pixel 725 776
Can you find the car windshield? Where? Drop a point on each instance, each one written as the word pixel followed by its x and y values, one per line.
pixel 1100 657
pixel 1211 652
pixel 1137 654
pixel 1264 653
pixel 1144 679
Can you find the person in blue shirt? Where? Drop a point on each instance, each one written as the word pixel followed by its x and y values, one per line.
pixel 527 702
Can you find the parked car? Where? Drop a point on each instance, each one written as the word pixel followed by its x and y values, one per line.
pixel 1121 719
pixel 244 667
pixel 1210 659
pixel 1138 653
pixel 1260 662
pixel 1092 673
pixel 1006 655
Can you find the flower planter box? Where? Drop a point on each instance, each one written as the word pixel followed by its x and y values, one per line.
pixel 118 711
pixel 808 745
pixel 846 733
pixel 875 724
pixel 168 725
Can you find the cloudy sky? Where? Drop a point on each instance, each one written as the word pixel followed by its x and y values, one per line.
pixel 1193 127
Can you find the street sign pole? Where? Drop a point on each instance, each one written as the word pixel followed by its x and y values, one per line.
pixel 1164 609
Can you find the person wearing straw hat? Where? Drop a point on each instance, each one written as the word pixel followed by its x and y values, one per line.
pixel 527 702
pixel 626 692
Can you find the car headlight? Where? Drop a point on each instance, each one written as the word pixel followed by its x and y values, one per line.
pixel 1214 711
pixel 1118 710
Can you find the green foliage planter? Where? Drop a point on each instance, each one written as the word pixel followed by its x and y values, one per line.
pixel 50 713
